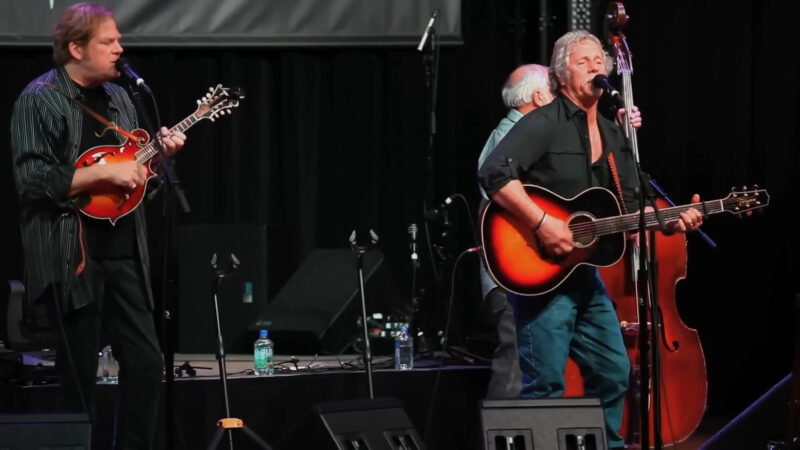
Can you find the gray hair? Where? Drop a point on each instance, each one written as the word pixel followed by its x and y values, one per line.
pixel 518 92
pixel 563 48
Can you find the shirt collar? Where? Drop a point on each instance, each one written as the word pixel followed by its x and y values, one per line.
pixel 570 108
pixel 514 115
pixel 70 87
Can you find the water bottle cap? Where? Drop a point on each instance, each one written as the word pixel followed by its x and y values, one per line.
pixel 262 334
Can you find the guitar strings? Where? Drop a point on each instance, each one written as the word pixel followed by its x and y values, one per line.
pixel 610 225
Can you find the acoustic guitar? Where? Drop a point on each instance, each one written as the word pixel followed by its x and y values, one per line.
pixel 516 262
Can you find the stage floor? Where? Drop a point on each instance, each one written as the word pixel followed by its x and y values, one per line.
pixel 278 407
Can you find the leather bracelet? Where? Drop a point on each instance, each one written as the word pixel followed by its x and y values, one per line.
pixel 541 221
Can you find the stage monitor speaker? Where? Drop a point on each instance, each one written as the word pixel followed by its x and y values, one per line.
pixel 546 423
pixel 45 431
pixel 368 424
pixel 319 308
pixel 762 422
pixel 242 294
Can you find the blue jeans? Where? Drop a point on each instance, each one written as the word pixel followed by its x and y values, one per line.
pixel 577 320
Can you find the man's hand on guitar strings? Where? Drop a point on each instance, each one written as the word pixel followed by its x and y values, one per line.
pixel 172 141
pixel 555 238
pixel 690 220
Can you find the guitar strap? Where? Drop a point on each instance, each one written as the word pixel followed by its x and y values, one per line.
pixel 108 124
pixel 613 165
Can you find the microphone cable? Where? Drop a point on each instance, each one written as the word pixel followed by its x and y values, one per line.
pixel 448 321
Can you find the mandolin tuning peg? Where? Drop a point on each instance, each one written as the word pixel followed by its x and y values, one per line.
pixel 198 101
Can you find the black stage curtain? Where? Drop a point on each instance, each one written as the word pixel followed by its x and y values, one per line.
pixel 331 140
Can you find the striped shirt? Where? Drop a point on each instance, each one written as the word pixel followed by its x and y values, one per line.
pixel 45 139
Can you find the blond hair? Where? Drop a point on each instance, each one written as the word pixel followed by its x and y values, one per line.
pixel 77 24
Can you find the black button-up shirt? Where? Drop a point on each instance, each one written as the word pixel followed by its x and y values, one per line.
pixel 549 147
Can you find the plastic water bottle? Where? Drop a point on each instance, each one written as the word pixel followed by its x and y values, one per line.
pixel 109 366
pixel 263 354
pixel 403 350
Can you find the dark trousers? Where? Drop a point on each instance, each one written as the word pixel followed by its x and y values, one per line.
pixel 120 315
pixel 506 379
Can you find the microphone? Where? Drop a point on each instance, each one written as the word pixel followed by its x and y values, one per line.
pixel 124 68
pixel 601 81
pixel 428 29
pixel 412 231
pixel 434 213
pixel 373 236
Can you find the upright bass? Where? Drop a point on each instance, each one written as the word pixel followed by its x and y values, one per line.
pixel 676 360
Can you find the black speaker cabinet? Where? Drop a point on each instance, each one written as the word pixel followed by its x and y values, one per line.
pixel 543 424
pixel 45 431
pixel 242 294
pixel 376 424
pixel 318 309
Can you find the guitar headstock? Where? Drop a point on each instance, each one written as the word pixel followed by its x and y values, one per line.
pixel 745 201
pixel 217 102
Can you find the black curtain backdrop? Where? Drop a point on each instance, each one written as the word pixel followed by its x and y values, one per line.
pixel 331 140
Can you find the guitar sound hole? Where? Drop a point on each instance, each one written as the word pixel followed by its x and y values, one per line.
pixel 583 230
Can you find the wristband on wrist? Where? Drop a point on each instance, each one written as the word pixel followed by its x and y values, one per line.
pixel 541 221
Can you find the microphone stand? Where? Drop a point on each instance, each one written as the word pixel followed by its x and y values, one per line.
pixel 360 251
pixel 429 45
pixel 431 64
pixel 414 299
pixel 228 422
pixel 219 275
pixel 430 61
pixel 167 176
pixel 646 273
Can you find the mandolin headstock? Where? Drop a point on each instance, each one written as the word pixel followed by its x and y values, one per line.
pixel 217 102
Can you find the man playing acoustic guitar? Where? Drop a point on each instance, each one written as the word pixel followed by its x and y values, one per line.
pixel 93 274
pixel 527 88
pixel 564 147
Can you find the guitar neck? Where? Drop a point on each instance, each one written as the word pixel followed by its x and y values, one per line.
pixel 150 150
pixel 629 222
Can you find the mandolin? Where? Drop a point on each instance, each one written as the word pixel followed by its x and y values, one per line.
pixel 110 202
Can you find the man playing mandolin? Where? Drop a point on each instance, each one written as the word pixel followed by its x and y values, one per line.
pixel 93 274
pixel 567 147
